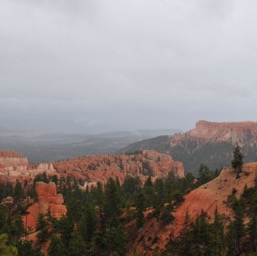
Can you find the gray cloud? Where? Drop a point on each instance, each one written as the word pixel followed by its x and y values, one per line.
pixel 108 65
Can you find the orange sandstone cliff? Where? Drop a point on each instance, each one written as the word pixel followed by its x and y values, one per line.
pixel 210 143
pixel 235 132
pixel 13 166
pixel 10 158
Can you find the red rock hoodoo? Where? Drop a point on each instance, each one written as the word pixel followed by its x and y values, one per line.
pixel 48 202
pixel 100 168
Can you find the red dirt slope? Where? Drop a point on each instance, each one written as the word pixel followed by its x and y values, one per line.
pixel 207 197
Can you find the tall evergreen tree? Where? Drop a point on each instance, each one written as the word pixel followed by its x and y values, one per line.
pixel 42 228
pixel 237 161
pixel 204 174
pixel 56 247
pixel 65 228
pixel 87 225
pixel 99 194
pixel 2 217
pixel 217 235
pixel 115 241
pixel 18 191
pixel 252 227
pixel 112 202
pixel 148 190
pixel 140 207
pixel 201 235
pixel 236 230
pixel 76 246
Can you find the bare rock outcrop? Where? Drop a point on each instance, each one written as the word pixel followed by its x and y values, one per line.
pixel 49 202
pixel 234 132
pixel 13 166
pixel 91 169
pixel 101 168
pixel 11 161
pixel 209 143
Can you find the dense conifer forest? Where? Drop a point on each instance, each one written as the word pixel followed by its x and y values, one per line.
pixel 97 219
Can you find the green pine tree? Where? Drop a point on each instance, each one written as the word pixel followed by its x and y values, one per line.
pixel 236 230
pixel 217 235
pixel 237 161
pixel 140 207
pixel 56 247
pixel 88 223
pixel 112 202
pixel 42 227
pixel 76 246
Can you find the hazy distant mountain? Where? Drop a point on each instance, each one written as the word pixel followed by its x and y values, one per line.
pixel 54 147
pixel 210 143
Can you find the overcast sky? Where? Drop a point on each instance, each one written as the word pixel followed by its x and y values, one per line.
pixel 104 65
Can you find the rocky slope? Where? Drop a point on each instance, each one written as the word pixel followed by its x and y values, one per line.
pixel 90 169
pixel 210 143
pixel 213 194
pixel 100 168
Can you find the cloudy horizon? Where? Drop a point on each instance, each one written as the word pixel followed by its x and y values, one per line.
pixel 98 66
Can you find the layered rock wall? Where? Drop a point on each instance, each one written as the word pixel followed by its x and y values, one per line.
pixel 235 132
pixel 11 158
pixel 13 166
pixel 12 161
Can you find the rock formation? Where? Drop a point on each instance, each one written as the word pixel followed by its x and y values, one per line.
pixel 207 197
pixel 11 162
pixel 214 194
pixel 14 166
pixel 235 132
pixel 48 202
pixel 210 143
pixel 91 169
pixel 11 158
pixel 101 168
